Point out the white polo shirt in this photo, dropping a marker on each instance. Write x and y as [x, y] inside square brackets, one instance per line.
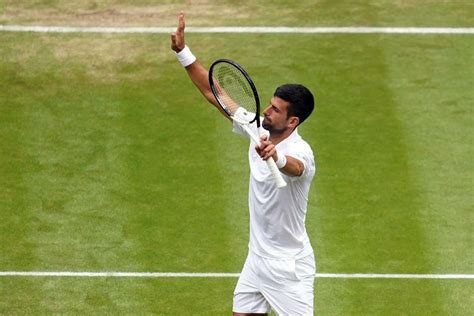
[277, 216]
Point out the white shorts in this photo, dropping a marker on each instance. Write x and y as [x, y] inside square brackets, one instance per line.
[286, 286]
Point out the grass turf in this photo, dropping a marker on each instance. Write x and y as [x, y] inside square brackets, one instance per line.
[243, 12]
[211, 296]
[112, 161]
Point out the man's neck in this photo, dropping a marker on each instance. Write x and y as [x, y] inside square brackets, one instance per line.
[277, 138]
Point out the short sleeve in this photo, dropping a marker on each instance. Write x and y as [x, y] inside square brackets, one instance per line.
[237, 128]
[303, 153]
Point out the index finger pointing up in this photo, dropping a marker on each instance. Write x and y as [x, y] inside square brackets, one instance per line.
[181, 23]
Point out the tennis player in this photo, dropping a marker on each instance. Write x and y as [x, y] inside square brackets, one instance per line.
[280, 267]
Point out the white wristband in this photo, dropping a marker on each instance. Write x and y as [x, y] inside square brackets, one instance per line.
[281, 162]
[185, 57]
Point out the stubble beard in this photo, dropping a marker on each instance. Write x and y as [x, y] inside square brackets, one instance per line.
[272, 129]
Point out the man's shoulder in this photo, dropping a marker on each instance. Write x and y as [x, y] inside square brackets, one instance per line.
[296, 142]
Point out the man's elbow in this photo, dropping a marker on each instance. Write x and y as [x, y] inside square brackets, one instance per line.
[299, 171]
[298, 168]
[295, 171]
[210, 97]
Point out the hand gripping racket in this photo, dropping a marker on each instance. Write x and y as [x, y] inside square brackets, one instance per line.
[235, 92]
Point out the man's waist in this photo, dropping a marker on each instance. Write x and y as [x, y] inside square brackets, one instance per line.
[281, 253]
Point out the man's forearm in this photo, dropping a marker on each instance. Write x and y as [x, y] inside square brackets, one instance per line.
[197, 73]
[199, 76]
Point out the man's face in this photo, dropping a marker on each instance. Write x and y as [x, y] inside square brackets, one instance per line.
[275, 116]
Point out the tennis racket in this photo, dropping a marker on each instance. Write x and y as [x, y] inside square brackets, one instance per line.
[235, 92]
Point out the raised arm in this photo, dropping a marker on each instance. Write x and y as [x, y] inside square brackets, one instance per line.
[196, 71]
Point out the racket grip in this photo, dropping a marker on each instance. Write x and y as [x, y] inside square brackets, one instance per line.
[276, 173]
[270, 162]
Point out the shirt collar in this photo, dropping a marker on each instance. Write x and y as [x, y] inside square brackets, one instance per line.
[293, 136]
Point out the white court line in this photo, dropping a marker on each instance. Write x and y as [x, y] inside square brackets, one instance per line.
[243, 29]
[225, 275]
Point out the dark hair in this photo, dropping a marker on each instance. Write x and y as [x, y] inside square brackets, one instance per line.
[300, 98]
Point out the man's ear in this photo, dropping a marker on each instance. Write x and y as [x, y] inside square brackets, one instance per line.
[293, 121]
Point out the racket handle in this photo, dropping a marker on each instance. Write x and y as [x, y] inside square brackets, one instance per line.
[270, 162]
[276, 173]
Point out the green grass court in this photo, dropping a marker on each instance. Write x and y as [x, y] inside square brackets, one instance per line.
[110, 159]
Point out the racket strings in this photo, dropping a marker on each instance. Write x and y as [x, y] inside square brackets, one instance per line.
[233, 89]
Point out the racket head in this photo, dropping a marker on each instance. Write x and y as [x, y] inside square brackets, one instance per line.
[234, 89]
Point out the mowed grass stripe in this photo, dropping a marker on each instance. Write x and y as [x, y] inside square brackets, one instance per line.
[65, 189]
[13, 188]
[435, 99]
[16, 247]
[434, 103]
[369, 205]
